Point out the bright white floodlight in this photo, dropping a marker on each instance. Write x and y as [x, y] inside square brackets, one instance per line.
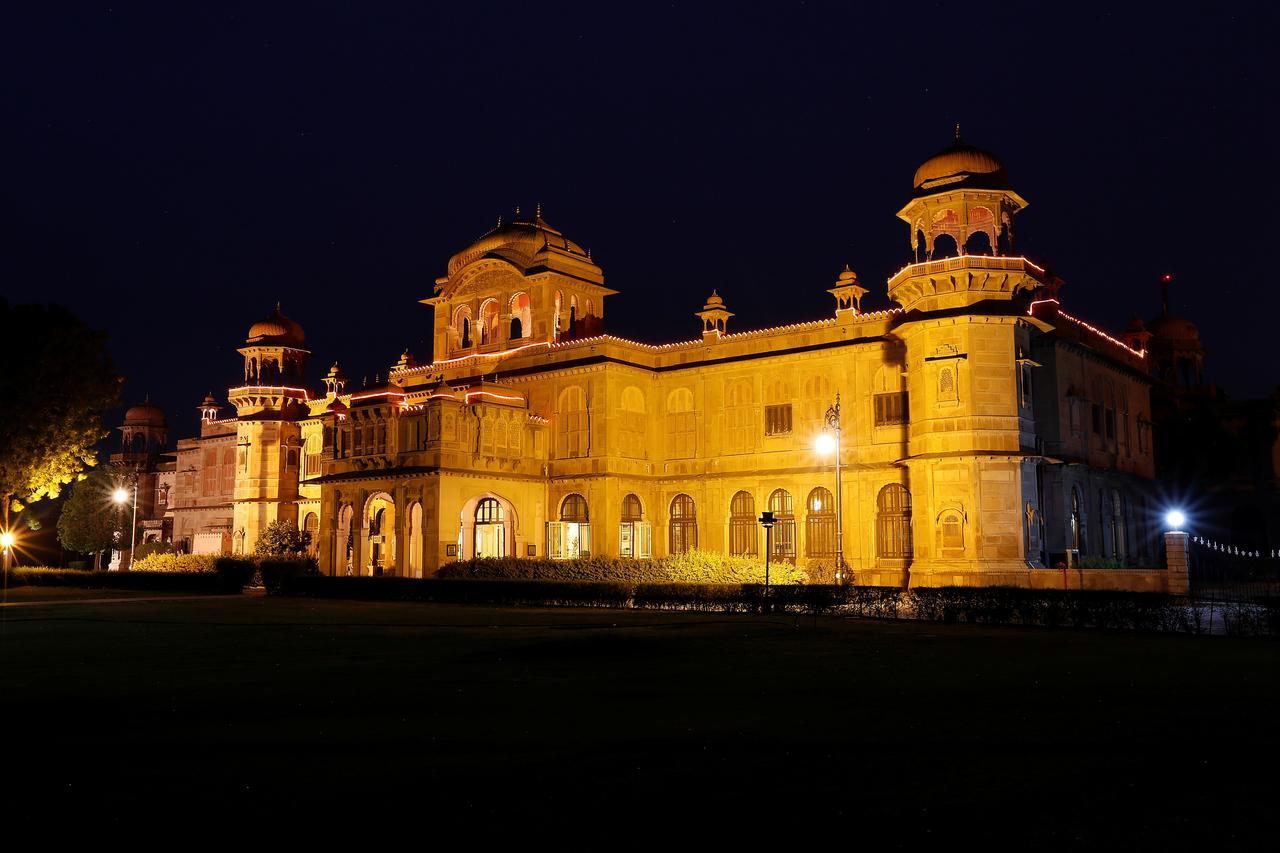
[120, 496]
[825, 443]
[1175, 518]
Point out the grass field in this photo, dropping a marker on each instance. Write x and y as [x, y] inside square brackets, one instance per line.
[618, 726]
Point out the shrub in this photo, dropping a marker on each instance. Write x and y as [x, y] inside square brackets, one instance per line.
[147, 549]
[234, 573]
[276, 571]
[171, 562]
[282, 538]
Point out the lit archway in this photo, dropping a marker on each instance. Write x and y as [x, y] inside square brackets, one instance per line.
[379, 531]
[487, 527]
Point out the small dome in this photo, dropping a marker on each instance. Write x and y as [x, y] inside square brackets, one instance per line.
[848, 276]
[713, 301]
[276, 329]
[961, 163]
[1173, 329]
[144, 414]
[522, 240]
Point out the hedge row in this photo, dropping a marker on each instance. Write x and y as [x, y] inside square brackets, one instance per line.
[210, 583]
[971, 605]
[226, 575]
[697, 567]
[169, 562]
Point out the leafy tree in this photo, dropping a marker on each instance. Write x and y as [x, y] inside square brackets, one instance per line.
[282, 538]
[90, 520]
[56, 383]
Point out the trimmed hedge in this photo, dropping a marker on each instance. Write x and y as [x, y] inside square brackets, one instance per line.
[969, 605]
[209, 583]
[696, 567]
[276, 571]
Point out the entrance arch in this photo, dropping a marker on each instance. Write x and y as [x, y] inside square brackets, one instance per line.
[379, 530]
[343, 542]
[487, 527]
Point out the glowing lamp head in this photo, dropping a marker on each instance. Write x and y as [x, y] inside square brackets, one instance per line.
[1175, 518]
[6, 540]
[825, 444]
[120, 495]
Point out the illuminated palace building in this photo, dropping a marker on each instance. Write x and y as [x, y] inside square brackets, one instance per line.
[985, 431]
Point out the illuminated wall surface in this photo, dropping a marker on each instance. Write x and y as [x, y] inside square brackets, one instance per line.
[985, 431]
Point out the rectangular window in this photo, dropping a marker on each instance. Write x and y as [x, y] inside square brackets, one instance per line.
[635, 540]
[1097, 419]
[1111, 424]
[891, 409]
[777, 419]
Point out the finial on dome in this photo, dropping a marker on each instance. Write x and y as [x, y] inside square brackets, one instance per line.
[499, 220]
[957, 131]
[538, 211]
[517, 210]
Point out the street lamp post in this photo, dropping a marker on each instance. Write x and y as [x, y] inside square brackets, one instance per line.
[120, 496]
[767, 521]
[833, 424]
[6, 543]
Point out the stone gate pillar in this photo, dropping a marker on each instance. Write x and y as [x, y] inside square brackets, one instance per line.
[1177, 562]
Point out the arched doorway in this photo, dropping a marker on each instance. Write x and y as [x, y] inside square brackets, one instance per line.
[570, 537]
[491, 529]
[380, 535]
[415, 540]
[635, 535]
[343, 542]
[784, 528]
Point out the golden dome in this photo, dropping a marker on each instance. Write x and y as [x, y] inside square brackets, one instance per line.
[960, 162]
[144, 414]
[523, 241]
[276, 330]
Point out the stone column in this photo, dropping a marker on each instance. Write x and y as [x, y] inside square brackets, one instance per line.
[402, 532]
[1177, 562]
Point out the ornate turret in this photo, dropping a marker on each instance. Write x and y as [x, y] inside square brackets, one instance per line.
[715, 317]
[334, 382]
[960, 220]
[143, 433]
[209, 408]
[848, 293]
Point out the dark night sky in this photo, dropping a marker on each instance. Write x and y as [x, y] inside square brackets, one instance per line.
[173, 171]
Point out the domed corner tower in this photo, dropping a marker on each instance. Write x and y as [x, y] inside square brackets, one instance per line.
[269, 408]
[142, 435]
[960, 229]
[971, 442]
[523, 282]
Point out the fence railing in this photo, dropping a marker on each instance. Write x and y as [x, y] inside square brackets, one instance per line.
[1221, 572]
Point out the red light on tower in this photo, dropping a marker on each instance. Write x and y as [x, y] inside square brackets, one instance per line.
[1166, 278]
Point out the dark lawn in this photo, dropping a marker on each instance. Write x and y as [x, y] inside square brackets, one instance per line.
[323, 713]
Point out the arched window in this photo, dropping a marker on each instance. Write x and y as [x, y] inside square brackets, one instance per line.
[634, 423]
[681, 425]
[893, 523]
[635, 535]
[683, 533]
[743, 536]
[311, 527]
[415, 540]
[951, 527]
[489, 511]
[784, 528]
[574, 508]
[557, 323]
[572, 428]
[820, 524]
[489, 312]
[1118, 525]
[462, 324]
[521, 319]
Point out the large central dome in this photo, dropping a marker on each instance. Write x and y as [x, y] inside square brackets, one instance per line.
[522, 241]
[961, 164]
